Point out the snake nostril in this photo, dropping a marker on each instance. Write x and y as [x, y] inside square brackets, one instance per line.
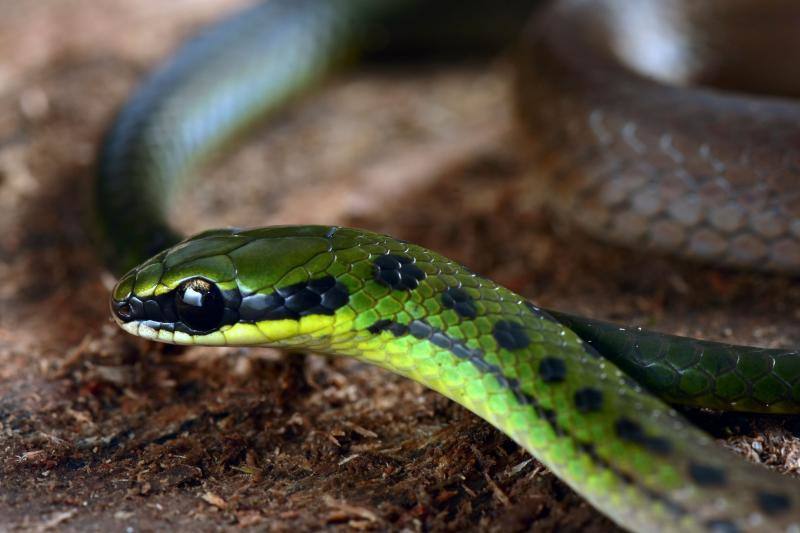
[123, 310]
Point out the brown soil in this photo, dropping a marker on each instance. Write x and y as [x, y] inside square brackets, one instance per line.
[101, 431]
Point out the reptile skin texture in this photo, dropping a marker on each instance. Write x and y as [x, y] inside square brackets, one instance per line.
[686, 169]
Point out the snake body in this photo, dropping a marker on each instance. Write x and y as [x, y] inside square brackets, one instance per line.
[561, 386]
[642, 150]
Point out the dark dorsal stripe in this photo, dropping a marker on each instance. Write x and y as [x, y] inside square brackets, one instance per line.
[321, 296]
[422, 330]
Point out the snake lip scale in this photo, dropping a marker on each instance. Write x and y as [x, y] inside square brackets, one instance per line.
[634, 115]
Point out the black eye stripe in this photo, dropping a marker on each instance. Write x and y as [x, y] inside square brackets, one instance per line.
[152, 310]
[322, 296]
[161, 312]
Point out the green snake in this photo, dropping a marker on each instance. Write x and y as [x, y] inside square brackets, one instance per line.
[638, 158]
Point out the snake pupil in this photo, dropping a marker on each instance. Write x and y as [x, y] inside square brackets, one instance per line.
[199, 304]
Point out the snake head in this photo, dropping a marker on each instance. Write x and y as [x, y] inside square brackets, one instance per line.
[285, 285]
[182, 293]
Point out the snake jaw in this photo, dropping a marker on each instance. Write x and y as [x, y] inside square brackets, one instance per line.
[130, 327]
[146, 331]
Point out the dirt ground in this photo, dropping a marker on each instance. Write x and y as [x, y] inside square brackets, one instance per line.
[101, 431]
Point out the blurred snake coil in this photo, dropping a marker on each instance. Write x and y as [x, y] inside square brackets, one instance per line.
[658, 123]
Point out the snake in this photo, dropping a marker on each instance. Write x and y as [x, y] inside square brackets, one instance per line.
[659, 124]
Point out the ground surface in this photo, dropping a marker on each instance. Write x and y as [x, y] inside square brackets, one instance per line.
[100, 431]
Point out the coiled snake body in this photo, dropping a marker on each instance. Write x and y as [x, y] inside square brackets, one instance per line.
[692, 170]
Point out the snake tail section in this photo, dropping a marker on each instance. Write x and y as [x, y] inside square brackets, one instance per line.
[353, 293]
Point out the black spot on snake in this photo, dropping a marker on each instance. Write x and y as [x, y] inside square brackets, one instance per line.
[588, 400]
[772, 503]
[379, 326]
[459, 301]
[510, 335]
[394, 328]
[398, 272]
[707, 476]
[721, 526]
[552, 370]
[630, 431]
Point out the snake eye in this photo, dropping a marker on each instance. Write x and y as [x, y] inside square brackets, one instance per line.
[199, 304]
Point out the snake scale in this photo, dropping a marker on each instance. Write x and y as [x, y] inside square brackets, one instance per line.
[621, 107]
